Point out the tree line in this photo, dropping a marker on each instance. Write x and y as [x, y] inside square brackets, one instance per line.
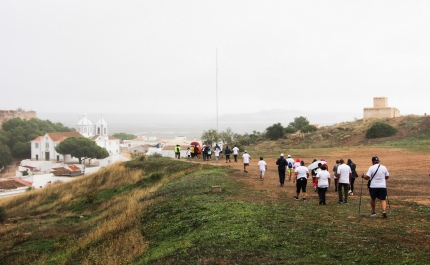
[274, 132]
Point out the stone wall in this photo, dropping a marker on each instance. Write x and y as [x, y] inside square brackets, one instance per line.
[380, 113]
[6, 115]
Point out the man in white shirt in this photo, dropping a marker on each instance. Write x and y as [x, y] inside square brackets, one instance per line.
[290, 169]
[235, 153]
[344, 175]
[262, 167]
[302, 174]
[378, 185]
[245, 159]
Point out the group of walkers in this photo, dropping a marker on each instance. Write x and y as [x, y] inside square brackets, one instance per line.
[206, 151]
[344, 175]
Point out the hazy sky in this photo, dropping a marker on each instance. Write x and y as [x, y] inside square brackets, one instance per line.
[160, 56]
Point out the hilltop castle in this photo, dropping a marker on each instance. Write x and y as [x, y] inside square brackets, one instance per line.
[6, 115]
[380, 110]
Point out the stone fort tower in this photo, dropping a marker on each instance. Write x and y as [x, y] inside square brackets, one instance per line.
[380, 110]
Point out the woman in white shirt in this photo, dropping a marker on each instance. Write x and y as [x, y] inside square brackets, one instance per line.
[323, 178]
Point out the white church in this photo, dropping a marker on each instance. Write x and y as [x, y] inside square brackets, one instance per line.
[43, 147]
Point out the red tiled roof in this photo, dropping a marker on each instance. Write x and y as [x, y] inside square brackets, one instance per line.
[112, 137]
[74, 168]
[9, 184]
[94, 137]
[60, 136]
[38, 139]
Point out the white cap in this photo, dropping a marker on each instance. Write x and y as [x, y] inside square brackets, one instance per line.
[289, 156]
[282, 155]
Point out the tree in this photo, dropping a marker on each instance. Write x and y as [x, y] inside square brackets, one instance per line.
[309, 128]
[299, 122]
[275, 132]
[124, 136]
[81, 147]
[379, 130]
[210, 137]
[21, 150]
[290, 129]
[227, 136]
[5, 155]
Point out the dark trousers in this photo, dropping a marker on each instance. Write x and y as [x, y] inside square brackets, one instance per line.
[321, 194]
[178, 155]
[281, 177]
[227, 157]
[235, 158]
[352, 184]
[345, 187]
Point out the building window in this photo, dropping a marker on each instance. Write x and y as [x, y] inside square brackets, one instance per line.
[36, 145]
[104, 131]
[47, 145]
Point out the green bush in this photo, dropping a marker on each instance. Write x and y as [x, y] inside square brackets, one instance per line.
[3, 215]
[308, 128]
[379, 130]
[290, 129]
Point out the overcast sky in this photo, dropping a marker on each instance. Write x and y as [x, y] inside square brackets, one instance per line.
[160, 56]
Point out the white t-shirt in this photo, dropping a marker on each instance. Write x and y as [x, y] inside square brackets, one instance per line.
[290, 160]
[235, 150]
[296, 164]
[378, 180]
[262, 164]
[323, 176]
[343, 172]
[246, 158]
[302, 172]
[217, 151]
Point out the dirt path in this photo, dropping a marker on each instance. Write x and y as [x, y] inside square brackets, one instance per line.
[409, 174]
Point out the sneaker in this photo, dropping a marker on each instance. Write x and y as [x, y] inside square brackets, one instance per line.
[340, 202]
[296, 198]
[351, 194]
[304, 199]
[373, 214]
[384, 214]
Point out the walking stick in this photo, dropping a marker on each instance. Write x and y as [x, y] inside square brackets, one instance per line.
[388, 201]
[361, 192]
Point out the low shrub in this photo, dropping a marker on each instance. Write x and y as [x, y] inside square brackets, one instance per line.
[379, 130]
[3, 214]
[308, 128]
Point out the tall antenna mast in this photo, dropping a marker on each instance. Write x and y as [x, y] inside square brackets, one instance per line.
[216, 86]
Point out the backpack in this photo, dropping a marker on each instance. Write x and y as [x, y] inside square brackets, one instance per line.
[290, 165]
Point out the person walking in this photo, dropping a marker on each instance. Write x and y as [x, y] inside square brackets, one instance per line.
[262, 167]
[344, 176]
[235, 153]
[177, 151]
[314, 176]
[188, 153]
[378, 175]
[227, 154]
[282, 166]
[335, 175]
[323, 182]
[217, 152]
[245, 159]
[353, 177]
[302, 174]
[290, 169]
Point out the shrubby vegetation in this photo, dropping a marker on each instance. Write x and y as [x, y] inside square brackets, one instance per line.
[124, 136]
[5, 155]
[18, 133]
[3, 214]
[379, 130]
[308, 128]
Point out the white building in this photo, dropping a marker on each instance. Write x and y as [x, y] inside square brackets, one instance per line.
[43, 147]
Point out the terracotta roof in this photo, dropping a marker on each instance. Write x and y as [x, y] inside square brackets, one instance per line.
[9, 184]
[95, 137]
[74, 168]
[112, 137]
[60, 136]
[38, 139]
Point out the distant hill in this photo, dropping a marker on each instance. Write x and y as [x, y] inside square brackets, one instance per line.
[411, 130]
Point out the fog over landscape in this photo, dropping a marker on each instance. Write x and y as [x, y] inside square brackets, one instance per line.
[190, 61]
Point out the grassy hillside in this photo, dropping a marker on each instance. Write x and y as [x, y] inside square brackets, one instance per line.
[161, 211]
[413, 134]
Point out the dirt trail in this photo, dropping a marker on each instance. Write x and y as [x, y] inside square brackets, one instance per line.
[409, 174]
